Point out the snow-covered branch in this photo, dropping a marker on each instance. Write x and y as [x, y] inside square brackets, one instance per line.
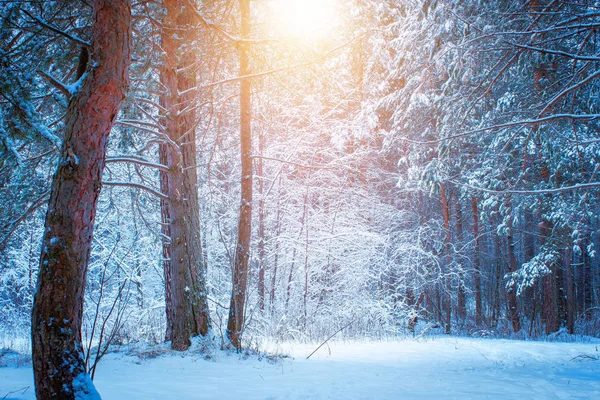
[138, 161]
[294, 163]
[57, 30]
[133, 185]
[572, 117]
[62, 87]
[40, 201]
[557, 52]
[532, 192]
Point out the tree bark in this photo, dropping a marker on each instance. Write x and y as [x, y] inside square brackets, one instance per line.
[462, 297]
[412, 322]
[235, 323]
[58, 363]
[294, 252]
[586, 280]
[261, 224]
[185, 270]
[305, 296]
[528, 237]
[276, 260]
[447, 302]
[477, 263]
[166, 242]
[511, 292]
[549, 287]
[500, 268]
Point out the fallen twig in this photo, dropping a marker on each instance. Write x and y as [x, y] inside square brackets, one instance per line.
[24, 389]
[336, 332]
[582, 357]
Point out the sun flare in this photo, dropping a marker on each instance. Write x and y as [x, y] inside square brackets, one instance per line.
[303, 19]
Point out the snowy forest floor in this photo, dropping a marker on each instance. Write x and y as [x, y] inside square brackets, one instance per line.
[429, 368]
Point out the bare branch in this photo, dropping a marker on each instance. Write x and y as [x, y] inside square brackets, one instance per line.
[138, 161]
[209, 24]
[142, 128]
[152, 103]
[282, 69]
[538, 192]
[293, 163]
[570, 89]
[138, 186]
[57, 30]
[40, 201]
[572, 117]
[57, 84]
[556, 52]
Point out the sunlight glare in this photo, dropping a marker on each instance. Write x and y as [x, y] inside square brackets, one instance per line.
[303, 19]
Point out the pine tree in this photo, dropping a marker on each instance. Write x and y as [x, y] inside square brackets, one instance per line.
[58, 361]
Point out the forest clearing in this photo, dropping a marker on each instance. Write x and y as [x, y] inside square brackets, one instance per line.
[435, 368]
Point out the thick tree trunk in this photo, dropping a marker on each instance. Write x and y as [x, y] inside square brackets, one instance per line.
[477, 263]
[166, 242]
[58, 363]
[235, 323]
[185, 271]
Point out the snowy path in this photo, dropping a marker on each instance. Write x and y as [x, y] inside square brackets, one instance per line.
[440, 368]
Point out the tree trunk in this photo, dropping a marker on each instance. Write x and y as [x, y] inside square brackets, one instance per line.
[412, 322]
[447, 303]
[549, 288]
[261, 224]
[511, 292]
[58, 363]
[276, 260]
[185, 271]
[477, 263]
[462, 297]
[529, 294]
[235, 323]
[586, 278]
[166, 241]
[305, 297]
[561, 295]
[500, 267]
[294, 252]
[534, 307]
[550, 307]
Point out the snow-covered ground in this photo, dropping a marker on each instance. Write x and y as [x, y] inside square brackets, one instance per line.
[433, 368]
